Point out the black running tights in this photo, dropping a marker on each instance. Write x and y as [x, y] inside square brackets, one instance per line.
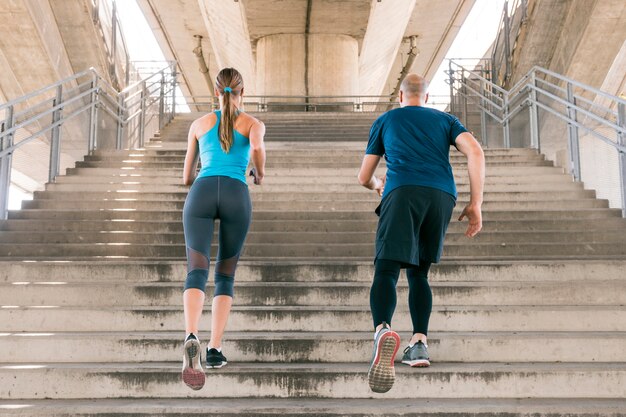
[383, 293]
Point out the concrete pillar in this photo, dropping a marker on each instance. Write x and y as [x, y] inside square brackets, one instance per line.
[331, 68]
[333, 65]
[280, 65]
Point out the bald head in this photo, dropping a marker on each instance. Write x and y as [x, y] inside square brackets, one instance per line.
[414, 85]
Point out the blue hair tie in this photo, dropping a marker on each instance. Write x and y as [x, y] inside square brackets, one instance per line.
[228, 90]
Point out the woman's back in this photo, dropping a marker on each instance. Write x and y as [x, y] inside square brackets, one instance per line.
[214, 160]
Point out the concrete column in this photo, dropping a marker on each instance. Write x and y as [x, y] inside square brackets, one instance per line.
[333, 65]
[280, 65]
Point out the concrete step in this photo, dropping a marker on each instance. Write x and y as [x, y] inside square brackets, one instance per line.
[326, 347]
[367, 201]
[535, 182]
[297, 148]
[323, 270]
[254, 380]
[298, 157]
[321, 237]
[298, 407]
[253, 251]
[303, 194]
[365, 212]
[313, 318]
[335, 226]
[298, 171]
[503, 293]
[176, 186]
[302, 164]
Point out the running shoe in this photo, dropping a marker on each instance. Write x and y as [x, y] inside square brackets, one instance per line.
[193, 374]
[416, 355]
[382, 374]
[215, 359]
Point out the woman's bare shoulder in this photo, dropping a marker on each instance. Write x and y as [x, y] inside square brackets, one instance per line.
[203, 124]
[249, 122]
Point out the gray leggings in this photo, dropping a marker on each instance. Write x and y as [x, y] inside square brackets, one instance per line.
[210, 198]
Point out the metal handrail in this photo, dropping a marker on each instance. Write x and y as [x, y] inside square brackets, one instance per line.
[542, 84]
[359, 103]
[132, 110]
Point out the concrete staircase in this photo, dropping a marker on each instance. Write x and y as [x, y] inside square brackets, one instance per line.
[529, 317]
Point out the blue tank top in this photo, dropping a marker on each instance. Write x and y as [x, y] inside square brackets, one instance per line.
[217, 162]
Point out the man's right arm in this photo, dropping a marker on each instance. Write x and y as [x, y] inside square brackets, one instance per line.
[469, 146]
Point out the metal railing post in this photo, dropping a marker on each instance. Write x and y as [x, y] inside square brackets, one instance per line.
[483, 115]
[174, 74]
[572, 134]
[464, 97]
[55, 137]
[506, 128]
[120, 121]
[534, 114]
[162, 100]
[142, 115]
[451, 81]
[93, 114]
[5, 164]
[621, 140]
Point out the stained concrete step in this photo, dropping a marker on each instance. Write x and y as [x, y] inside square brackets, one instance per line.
[327, 347]
[320, 164]
[453, 250]
[335, 226]
[253, 380]
[298, 171]
[315, 318]
[293, 157]
[414, 407]
[323, 270]
[297, 148]
[366, 212]
[368, 201]
[554, 179]
[294, 187]
[321, 237]
[305, 195]
[502, 293]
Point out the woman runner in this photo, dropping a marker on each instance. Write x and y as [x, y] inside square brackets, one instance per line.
[224, 141]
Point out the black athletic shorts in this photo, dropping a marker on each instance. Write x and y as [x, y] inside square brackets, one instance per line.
[413, 223]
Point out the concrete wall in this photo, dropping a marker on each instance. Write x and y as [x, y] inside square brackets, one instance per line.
[584, 40]
[41, 42]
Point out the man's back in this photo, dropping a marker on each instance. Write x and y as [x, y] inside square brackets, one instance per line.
[416, 142]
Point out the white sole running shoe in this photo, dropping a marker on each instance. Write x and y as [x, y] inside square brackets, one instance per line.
[193, 374]
[382, 373]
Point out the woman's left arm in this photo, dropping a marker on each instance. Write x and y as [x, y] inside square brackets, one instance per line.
[191, 158]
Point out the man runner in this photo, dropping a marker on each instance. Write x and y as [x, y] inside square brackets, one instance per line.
[418, 196]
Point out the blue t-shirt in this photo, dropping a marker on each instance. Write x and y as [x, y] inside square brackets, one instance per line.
[217, 162]
[416, 144]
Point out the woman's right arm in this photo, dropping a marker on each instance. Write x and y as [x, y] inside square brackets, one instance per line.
[191, 158]
[257, 149]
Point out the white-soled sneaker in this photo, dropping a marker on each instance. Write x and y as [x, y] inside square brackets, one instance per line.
[382, 373]
[193, 374]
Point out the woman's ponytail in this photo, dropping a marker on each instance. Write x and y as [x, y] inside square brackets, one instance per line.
[230, 85]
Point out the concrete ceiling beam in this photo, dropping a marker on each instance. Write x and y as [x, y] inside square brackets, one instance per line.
[226, 24]
[378, 53]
